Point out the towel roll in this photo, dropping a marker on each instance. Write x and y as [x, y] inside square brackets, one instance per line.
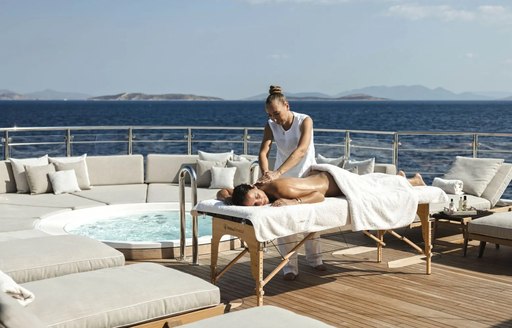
[449, 186]
[11, 288]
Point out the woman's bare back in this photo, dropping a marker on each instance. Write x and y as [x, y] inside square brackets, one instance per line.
[290, 188]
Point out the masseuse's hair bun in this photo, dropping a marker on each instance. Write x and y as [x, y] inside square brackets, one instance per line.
[275, 89]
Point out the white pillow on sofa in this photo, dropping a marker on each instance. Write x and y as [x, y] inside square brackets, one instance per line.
[77, 163]
[204, 171]
[243, 171]
[222, 177]
[363, 167]
[475, 173]
[18, 169]
[64, 182]
[216, 157]
[338, 161]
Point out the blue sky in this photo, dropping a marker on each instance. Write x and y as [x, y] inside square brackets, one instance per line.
[236, 49]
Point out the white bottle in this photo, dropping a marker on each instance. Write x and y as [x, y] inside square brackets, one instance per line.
[451, 207]
[465, 204]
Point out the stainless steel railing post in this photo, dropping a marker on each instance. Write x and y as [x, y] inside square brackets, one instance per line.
[130, 141]
[187, 170]
[475, 145]
[6, 145]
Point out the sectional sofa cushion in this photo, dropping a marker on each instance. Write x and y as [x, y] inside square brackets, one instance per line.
[475, 173]
[7, 182]
[38, 178]
[121, 296]
[64, 182]
[115, 170]
[51, 201]
[259, 317]
[50, 256]
[22, 234]
[18, 169]
[169, 192]
[116, 194]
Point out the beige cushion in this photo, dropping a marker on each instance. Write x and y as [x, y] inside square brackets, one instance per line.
[498, 225]
[475, 173]
[498, 184]
[216, 157]
[7, 182]
[204, 172]
[163, 168]
[18, 168]
[115, 170]
[243, 171]
[80, 168]
[38, 178]
[116, 194]
[121, 296]
[363, 167]
[259, 317]
[222, 177]
[64, 182]
[338, 161]
[46, 257]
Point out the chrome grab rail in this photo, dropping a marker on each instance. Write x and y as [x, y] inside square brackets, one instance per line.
[188, 170]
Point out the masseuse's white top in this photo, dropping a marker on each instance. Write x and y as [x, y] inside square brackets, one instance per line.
[287, 142]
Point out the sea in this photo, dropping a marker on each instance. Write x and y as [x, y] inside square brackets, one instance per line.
[392, 116]
[468, 116]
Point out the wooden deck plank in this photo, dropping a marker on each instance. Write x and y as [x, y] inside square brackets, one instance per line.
[356, 291]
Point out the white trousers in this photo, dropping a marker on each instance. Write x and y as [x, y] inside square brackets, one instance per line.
[312, 247]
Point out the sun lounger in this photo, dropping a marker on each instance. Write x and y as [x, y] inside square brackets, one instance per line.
[137, 294]
[258, 317]
[257, 225]
[41, 257]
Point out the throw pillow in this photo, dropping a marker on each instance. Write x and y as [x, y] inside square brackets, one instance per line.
[363, 167]
[80, 168]
[204, 172]
[72, 159]
[475, 173]
[18, 169]
[222, 177]
[243, 171]
[64, 182]
[338, 161]
[38, 180]
[216, 157]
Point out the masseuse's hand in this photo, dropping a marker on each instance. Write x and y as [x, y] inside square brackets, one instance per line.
[268, 176]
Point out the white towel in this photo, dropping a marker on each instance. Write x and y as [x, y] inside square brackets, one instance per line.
[11, 288]
[449, 186]
[376, 201]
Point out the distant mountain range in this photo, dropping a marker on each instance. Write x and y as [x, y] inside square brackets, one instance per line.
[372, 93]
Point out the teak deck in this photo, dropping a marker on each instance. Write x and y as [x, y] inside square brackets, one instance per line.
[356, 291]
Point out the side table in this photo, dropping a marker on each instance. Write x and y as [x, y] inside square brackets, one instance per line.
[462, 219]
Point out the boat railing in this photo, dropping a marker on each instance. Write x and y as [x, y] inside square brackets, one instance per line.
[428, 152]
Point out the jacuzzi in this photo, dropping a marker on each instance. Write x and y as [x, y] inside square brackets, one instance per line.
[122, 227]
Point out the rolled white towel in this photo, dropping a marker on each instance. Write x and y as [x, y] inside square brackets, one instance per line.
[449, 186]
[11, 288]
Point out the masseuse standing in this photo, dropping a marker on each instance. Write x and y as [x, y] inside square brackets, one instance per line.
[293, 135]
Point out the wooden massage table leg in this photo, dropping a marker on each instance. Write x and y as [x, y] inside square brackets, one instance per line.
[423, 213]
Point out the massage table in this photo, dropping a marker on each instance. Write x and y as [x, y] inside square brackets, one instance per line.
[260, 224]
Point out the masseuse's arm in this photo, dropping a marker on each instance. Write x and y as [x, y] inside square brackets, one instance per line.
[311, 198]
[302, 148]
[266, 145]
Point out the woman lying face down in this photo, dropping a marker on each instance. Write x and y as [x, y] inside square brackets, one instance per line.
[291, 191]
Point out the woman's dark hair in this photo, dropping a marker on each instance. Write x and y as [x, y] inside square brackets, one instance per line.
[239, 193]
[275, 94]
